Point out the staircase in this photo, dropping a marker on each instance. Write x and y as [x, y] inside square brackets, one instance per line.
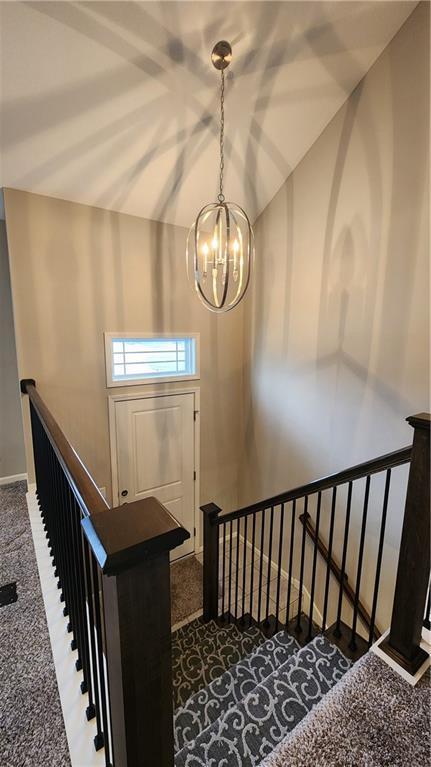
[291, 596]
[237, 694]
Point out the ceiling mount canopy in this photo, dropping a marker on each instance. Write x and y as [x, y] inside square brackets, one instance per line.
[220, 244]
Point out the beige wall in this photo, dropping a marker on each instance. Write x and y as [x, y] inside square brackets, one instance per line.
[336, 328]
[12, 456]
[78, 271]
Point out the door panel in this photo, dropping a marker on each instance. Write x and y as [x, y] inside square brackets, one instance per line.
[155, 454]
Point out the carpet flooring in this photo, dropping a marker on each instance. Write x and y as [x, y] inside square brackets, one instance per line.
[186, 589]
[372, 718]
[31, 722]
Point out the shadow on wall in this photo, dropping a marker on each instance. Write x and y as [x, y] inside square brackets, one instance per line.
[337, 392]
[113, 27]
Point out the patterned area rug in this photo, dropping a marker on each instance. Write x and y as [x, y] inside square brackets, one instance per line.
[31, 722]
[186, 589]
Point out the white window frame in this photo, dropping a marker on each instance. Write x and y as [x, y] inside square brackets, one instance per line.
[111, 336]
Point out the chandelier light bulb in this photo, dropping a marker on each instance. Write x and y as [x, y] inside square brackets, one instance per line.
[227, 229]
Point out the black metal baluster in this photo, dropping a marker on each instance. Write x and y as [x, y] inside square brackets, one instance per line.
[237, 568]
[253, 544]
[67, 560]
[280, 554]
[268, 584]
[93, 709]
[51, 502]
[79, 633]
[42, 488]
[313, 575]
[229, 596]
[328, 564]
[352, 643]
[85, 652]
[223, 572]
[337, 631]
[244, 569]
[379, 557]
[298, 628]
[36, 449]
[51, 537]
[262, 541]
[291, 552]
[69, 564]
[55, 540]
[97, 670]
[103, 739]
[86, 595]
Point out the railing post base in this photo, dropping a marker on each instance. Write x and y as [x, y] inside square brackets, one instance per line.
[411, 665]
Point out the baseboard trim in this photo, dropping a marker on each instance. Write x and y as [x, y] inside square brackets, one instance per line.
[410, 678]
[12, 478]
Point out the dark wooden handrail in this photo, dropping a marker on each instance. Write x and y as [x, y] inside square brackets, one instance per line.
[86, 491]
[336, 571]
[383, 462]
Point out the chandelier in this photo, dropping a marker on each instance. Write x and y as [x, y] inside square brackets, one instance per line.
[220, 243]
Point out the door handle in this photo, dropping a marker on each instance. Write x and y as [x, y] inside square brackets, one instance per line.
[124, 493]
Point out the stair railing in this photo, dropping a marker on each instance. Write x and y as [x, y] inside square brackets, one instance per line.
[256, 561]
[113, 575]
[341, 576]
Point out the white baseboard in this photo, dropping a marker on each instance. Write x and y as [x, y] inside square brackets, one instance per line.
[80, 733]
[12, 478]
[412, 680]
[306, 598]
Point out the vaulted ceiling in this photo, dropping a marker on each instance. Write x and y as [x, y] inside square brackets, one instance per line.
[115, 104]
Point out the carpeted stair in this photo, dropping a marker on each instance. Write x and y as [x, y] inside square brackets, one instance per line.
[206, 706]
[201, 652]
[246, 708]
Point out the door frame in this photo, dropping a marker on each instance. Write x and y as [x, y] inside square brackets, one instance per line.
[112, 400]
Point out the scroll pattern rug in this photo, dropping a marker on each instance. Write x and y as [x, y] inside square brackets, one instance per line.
[247, 732]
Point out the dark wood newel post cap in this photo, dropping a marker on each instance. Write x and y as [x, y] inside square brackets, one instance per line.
[127, 535]
[26, 382]
[420, 421]
[211, 510]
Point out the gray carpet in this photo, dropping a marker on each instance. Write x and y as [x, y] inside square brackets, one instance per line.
[372, 718]
[31, 723]
[186, 588]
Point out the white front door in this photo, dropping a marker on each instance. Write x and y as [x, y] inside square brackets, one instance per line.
[155, 456]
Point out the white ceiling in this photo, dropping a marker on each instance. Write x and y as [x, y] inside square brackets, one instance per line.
[115, 104]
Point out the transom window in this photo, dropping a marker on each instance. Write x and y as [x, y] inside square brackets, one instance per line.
[140, 358]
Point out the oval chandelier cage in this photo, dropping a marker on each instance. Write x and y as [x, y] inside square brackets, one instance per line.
[220, 243]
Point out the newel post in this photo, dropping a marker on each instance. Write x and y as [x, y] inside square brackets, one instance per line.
[211, 535]
[131, 544]
[403, 642]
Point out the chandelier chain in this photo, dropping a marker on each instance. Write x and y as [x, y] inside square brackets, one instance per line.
[221, 195]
